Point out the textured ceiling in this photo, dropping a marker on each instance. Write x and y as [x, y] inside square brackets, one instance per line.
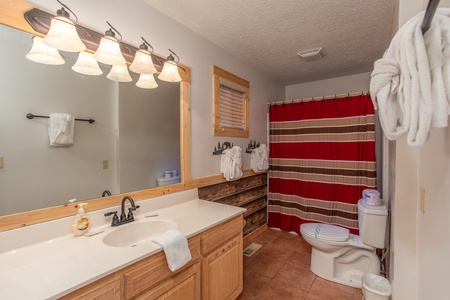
[268, 33]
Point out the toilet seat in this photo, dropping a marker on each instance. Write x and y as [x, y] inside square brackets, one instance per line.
[325, 232]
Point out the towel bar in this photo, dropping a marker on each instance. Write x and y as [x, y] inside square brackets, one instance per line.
[31, 116]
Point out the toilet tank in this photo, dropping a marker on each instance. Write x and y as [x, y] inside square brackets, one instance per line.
[372, 221]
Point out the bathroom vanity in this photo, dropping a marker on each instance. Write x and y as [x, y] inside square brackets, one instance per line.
[67, 267]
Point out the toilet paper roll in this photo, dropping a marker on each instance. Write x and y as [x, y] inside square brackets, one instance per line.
[372, 197]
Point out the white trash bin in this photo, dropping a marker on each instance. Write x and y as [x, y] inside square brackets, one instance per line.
[375, 287]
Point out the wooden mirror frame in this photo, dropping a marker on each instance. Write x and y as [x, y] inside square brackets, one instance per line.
[12, 15]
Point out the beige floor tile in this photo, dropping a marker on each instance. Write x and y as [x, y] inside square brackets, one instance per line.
[245, 296]
[300, 259]
[268, 236]
[288, 242]
[276, 251]
[331, 291]
[304, 247]
[279, 290]
[264, 265]
[254, 282]
[295, 276]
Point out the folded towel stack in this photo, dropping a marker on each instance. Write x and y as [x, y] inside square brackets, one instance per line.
[410, 85]
[175, 247]
[61, 129]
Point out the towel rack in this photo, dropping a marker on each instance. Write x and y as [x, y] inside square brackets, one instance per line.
[429, 14]
[31, 116]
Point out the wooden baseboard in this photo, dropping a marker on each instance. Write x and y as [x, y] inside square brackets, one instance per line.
[253, 234]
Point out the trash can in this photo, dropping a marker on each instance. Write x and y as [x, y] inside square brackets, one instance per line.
[375, 287]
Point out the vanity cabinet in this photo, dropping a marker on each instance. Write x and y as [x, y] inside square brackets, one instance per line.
[215, 272]
[222, 261]
[151, 278]
[107, 288]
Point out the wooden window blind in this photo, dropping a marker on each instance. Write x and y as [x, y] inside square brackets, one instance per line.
[230, 104]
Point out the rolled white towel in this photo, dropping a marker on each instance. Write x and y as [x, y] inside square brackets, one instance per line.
[231, 163]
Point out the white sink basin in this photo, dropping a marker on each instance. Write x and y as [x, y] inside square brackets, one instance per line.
[135, 234]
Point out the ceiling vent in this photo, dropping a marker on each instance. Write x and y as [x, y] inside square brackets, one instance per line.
[310, 55]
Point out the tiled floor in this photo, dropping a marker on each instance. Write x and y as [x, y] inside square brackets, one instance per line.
[280, 269]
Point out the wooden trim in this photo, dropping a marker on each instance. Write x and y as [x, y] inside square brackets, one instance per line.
[11, 14]
[217, 130]
[225, 74]
[254, 234]
[57, 212]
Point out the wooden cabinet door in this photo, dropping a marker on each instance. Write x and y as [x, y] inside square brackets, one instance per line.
[222, 270]
[185, 285]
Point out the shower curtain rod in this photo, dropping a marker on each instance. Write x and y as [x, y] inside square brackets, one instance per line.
[321, 98]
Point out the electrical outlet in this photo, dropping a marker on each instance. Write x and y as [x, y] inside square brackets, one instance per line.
[422, 199]
[105, 164]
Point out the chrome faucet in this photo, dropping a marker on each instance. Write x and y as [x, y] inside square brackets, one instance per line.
[124, 218]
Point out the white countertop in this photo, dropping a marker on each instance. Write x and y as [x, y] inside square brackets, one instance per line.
[52, 268]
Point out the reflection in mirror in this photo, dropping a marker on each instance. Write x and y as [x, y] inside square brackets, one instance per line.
[135, 137]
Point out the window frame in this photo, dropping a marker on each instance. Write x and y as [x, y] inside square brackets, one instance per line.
[219, 73]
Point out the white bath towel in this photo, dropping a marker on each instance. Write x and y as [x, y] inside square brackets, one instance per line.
[61, 129]
[260, 159]
[409, 85]
[231, 163]
[175, 246]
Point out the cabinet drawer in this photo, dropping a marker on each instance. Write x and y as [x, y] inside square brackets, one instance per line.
[217, 236]
[185, 285]
[107, 288]
[153, 270]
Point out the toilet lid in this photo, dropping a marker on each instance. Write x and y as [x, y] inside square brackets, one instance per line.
[325, 231]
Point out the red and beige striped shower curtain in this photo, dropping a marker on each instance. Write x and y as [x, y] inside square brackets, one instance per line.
[322, 156]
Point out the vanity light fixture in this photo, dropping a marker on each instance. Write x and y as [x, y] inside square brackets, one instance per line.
[143, 62]
[63, 34]
[170, 69]
[86, 64]
[108, 52]
[44, 54]
[119, 73]
[146, 81]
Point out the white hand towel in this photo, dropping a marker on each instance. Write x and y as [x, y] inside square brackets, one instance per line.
[260, 159]
[175, 247]
[231, 163]
[61, 129]
[411, 81]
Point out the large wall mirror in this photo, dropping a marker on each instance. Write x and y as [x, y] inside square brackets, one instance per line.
[136, 137]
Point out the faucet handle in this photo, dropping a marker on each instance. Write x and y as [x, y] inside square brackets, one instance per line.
[115, 218]
[130, 214]
[135, 207]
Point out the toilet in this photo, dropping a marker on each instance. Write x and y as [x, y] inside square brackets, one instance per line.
[342, 257]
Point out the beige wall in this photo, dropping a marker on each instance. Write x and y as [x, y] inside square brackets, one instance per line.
[340, 85]
[419, 247]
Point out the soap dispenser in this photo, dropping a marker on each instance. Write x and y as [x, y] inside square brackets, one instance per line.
[81, 222]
